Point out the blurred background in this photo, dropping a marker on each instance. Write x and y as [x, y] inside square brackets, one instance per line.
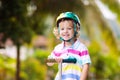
[26, 37]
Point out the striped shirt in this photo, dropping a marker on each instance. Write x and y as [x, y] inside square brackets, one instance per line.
[71, 71]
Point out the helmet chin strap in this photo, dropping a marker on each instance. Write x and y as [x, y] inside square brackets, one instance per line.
[66, 40]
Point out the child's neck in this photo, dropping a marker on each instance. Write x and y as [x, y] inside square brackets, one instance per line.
[70, 43]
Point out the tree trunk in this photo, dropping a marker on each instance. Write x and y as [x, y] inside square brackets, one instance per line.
[18, 63]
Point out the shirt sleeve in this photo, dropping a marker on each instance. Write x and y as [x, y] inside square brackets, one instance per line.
[84, 56]
[51, 56]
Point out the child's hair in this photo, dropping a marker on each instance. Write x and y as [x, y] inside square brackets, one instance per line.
[56, 30]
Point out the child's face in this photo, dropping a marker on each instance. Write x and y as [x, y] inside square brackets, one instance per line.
[66, 29]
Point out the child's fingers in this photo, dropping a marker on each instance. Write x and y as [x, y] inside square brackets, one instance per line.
[58, 60]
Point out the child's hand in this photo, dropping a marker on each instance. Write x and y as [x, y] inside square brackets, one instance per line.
[58, 60]
[50, 64]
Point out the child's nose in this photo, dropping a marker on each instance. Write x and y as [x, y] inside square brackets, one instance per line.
[65, 30]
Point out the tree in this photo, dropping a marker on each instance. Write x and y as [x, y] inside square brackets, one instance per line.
[15, 24]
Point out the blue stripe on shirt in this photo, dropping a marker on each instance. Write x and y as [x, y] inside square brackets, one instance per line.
[73, 76]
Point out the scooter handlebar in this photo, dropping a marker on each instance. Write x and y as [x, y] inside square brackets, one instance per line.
[69, 60]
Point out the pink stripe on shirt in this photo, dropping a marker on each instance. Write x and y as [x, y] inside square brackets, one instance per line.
[85, 52]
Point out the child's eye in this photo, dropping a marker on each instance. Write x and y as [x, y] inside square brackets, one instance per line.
[69, 28]
[62, 28]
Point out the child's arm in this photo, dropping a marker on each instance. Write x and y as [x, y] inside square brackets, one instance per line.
[84, 73]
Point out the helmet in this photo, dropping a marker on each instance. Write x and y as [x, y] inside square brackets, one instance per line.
[71, 16]
[68, 15]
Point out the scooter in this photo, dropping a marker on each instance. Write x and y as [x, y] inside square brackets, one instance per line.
[69, 60]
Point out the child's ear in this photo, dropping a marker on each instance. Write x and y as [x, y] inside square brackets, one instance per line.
[78, 27]
[56, 33]
[78, 30]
